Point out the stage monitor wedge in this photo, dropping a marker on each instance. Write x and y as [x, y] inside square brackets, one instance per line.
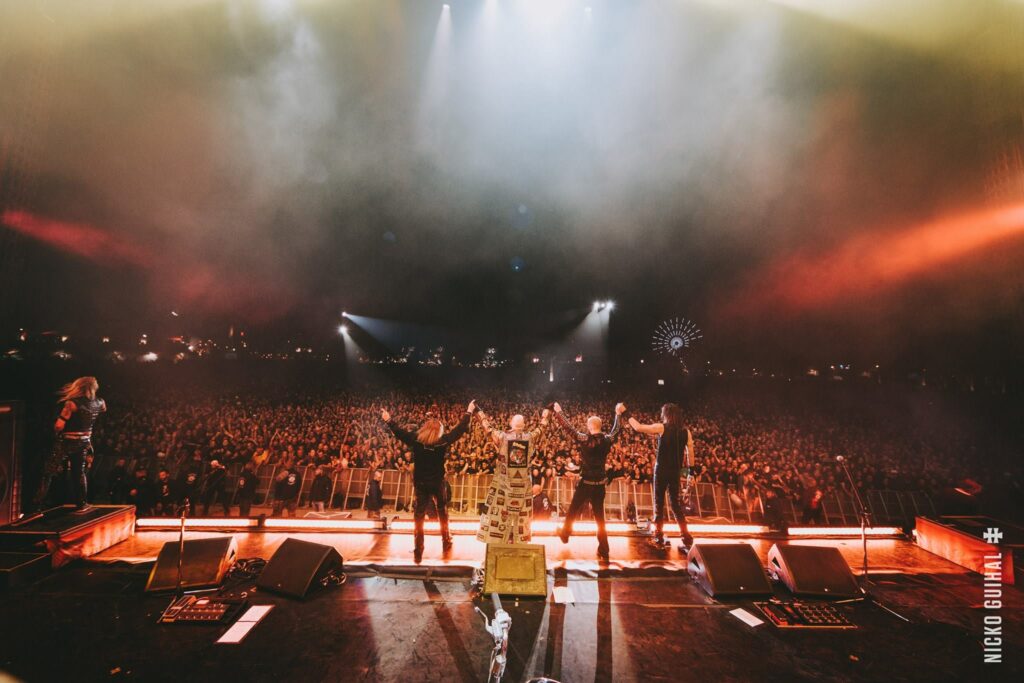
[518, 569]
[297, 567]
[724, 569]
[206, 561]
[813, 570]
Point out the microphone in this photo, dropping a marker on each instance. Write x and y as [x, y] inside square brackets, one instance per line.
[501, 623]
[498, 628]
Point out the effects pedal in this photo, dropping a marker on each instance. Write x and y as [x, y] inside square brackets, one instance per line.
[190, 609]
[804, 615]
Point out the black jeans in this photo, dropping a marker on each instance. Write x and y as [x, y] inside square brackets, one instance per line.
[244, 506]
[217, 497]
[425, 493]
[69, 455]
[813, 515]
[593, 494]
[78, 487]
[282, 506]
[668, 482]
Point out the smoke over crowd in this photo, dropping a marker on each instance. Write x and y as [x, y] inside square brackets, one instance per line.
[271, 163]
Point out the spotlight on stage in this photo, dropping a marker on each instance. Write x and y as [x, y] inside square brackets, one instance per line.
[610, 305]
[344, 314]
[342, 329]
[596, 307]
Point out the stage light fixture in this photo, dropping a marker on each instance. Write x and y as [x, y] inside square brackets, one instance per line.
[610, 305]
[596, 307]
[342, 329]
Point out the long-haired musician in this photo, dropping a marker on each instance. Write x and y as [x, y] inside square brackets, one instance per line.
[675, 451]
[73, 431]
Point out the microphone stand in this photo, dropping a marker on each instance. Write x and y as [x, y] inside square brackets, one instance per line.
[862, 511]
[865, 522]
[179, 593]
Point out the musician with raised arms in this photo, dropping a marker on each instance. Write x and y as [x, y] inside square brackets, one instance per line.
[429, 446]
[594, 447]
[675, 452]
[509, 507]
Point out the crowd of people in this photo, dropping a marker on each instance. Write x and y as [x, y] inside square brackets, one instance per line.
[743, 442]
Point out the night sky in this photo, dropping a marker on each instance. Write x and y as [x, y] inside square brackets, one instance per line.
[801, 178]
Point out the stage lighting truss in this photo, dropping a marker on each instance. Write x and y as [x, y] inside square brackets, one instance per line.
[675, 335]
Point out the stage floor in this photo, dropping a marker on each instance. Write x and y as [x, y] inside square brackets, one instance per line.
[93, 622]
[885, 554]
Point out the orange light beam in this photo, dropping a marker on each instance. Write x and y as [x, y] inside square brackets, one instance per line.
[869, 263]
[84, 240]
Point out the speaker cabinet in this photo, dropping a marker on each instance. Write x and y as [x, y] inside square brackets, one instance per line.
[21, 569]
[11, 434]
[298, 566]
[723, 569]
[518, 569]
[813, 570]
[203, 565]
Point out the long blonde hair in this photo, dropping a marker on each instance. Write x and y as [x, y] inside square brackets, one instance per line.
[430, 433]
[83, 387]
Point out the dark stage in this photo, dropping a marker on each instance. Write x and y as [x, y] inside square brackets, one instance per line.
[638, 619]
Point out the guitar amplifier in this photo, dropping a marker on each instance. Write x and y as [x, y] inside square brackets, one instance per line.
[11, 436]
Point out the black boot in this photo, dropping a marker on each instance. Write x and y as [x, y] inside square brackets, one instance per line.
[656, 542]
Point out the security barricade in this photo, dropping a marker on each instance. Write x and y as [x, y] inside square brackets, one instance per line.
[624, 500]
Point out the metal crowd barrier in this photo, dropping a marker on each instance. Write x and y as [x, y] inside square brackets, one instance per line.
[624, 499]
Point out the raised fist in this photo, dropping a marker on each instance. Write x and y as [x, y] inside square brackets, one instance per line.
[471, 407]
[620, 408]
[558, 407]
[385, 415]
